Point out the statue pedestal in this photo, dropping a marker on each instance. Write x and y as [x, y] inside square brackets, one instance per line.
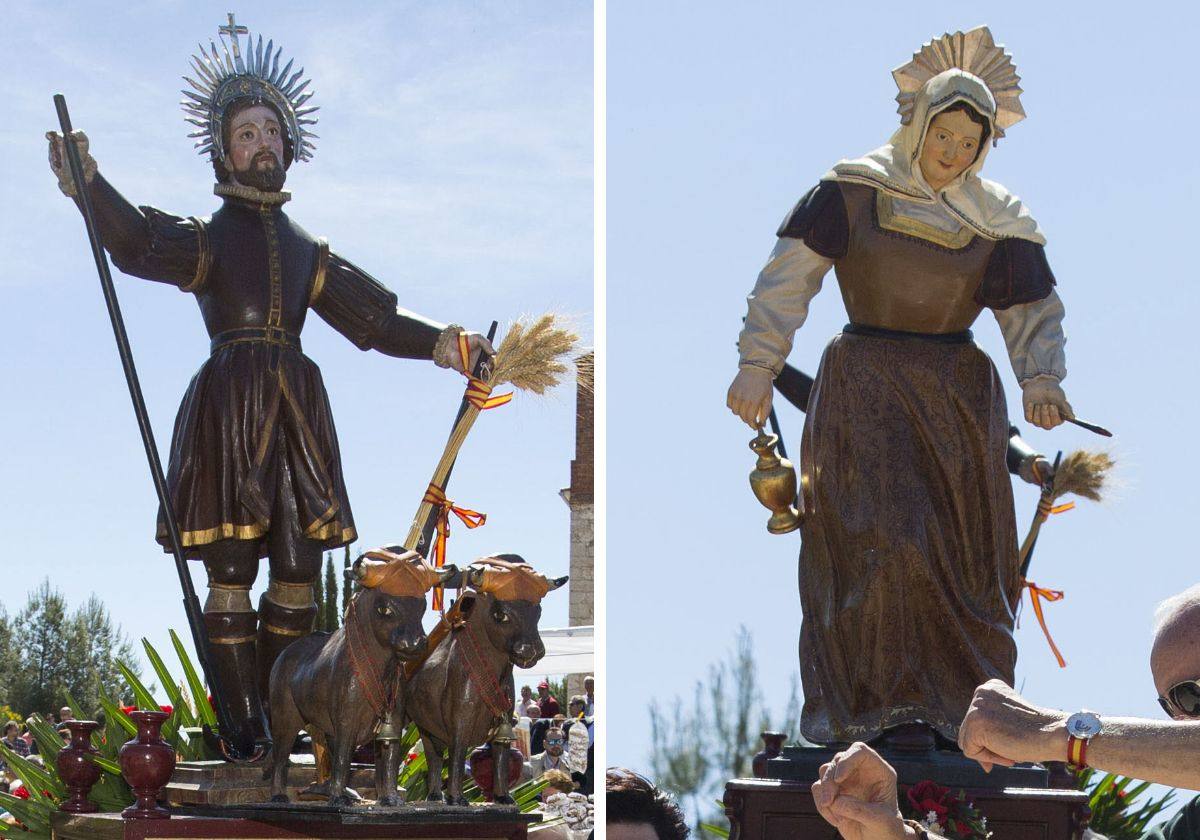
[222, 783]
[305, 820]
[1017, 801]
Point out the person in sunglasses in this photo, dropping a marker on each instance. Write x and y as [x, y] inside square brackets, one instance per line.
[552, 758]
[857, 790]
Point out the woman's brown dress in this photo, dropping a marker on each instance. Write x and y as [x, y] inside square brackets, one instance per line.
[909, 558]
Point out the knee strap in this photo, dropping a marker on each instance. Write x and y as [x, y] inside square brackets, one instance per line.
[223, 598]
[286, 621]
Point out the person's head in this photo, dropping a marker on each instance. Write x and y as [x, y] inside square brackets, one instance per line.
[555, 741]
[1175, 654]
[589, 685]
[952, 143]
[557, 781]
[533, 710]
[543, 689]
[637, 810]
[257, 148]
[65, 714]
[12, 729]
[526, 693]
[576, 707]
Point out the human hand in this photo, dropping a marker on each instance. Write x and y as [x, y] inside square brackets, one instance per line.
[58, 160]
[856, 794]
[446, 351]
[476, 344]
[1002, 727]
[1036, 470]
[1045, 403]
[749, 396]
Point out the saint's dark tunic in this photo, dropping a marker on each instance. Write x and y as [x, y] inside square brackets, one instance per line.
[254, 434]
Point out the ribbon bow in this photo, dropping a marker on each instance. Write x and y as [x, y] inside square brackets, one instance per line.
[479, 393]
[436, 496]
[1036, 594]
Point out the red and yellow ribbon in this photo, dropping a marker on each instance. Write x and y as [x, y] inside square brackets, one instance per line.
[1047, 508]
[1036, 594]
[479, 393]
[436, 496]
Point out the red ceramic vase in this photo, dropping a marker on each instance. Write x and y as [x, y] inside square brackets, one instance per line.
[147, 762]
[77, 769]
[483, 769]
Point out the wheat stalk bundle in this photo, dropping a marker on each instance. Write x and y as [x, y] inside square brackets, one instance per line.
[532, 357]
[1082, 473]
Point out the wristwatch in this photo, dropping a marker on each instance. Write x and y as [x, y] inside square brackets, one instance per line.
[1082, 727]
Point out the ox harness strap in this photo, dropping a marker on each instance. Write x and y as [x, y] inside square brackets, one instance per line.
[494, 696]
[381, 698]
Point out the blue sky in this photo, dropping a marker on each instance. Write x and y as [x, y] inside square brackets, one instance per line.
[454, 163]
[719, 119]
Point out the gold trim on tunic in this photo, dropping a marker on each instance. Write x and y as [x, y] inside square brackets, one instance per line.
[203, 258]
[238, 640]
[889, 219]
[280, 631]
[318, 284]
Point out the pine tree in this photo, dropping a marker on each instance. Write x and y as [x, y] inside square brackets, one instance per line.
[346, 583]
[331, 595]
[319, 597]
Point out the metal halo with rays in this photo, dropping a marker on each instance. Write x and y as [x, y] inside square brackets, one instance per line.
[975, 52]
[225, 74]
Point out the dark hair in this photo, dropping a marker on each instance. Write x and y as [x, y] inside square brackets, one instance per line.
[975, 117]
[12, 724]
[632, 798]
[232, 110]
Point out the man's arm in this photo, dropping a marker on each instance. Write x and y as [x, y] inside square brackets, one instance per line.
[1002, 727]
[142, 241]
[365, 311]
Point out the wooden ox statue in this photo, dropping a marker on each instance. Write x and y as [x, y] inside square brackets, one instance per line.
[465, 686]
[340, 686]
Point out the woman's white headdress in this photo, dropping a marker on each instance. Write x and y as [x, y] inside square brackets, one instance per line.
[226, 74]
[975, 52]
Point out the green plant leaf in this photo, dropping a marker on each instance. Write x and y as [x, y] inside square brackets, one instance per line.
[113, 715]
[717, 830]
[204, 709]
[36, 779]
[33, 815]
[186, 716]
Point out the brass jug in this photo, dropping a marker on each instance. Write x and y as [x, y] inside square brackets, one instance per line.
[774, 484]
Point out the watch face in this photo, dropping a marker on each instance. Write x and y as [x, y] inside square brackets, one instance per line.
[1083, 725]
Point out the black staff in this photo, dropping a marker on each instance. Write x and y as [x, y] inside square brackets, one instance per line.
[191, 604]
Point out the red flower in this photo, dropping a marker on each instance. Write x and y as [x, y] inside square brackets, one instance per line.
[128, 709]
[927, 796]
[167, 709]
[20, 792]
[962, 829]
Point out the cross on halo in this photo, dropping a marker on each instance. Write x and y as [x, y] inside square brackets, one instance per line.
[233, 29]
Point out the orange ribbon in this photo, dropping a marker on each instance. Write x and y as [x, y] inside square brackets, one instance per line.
[436, 496]
[1036, 594]
[1046, 508]
[479, 393]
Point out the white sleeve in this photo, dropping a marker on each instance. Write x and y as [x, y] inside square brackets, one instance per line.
[1035, 339]
[778, 305]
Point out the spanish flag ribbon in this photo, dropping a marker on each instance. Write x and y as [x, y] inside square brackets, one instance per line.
[436, 496]
[1047, 508]
[479, 393]
[1036, 594]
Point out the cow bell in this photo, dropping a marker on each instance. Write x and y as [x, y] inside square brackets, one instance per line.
[774, 484]
[388, 731]
[503, 733]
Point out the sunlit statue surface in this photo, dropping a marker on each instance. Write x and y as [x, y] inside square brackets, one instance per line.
[254, 465]
[908, 570]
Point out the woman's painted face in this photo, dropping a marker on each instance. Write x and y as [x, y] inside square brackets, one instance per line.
[951, 145]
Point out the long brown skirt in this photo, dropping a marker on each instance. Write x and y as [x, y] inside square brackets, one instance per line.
[909, 556]
[249, 407]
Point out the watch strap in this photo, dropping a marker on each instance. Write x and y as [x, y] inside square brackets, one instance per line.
[1077, 752]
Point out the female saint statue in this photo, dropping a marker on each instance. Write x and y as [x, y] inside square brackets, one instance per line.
[908, 570]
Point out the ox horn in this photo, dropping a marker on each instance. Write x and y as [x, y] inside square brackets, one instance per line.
[555, 583]
[446, 573]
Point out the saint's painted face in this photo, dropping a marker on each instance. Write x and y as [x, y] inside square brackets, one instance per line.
[256, 148]
[951, 145]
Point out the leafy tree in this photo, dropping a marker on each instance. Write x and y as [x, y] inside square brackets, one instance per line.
[695, 750]
[319, 597]
[57, 652]
[346, 586]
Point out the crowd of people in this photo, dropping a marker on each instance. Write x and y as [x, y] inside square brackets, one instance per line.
[857, 792]
[557, 743]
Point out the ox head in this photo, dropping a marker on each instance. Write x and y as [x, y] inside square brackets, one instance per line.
[507, 593]
[391, 601]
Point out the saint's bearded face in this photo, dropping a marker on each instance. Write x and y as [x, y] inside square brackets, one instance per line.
[255, 153]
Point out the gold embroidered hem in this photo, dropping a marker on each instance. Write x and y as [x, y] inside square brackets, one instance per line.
[889, 219]
[251, 194]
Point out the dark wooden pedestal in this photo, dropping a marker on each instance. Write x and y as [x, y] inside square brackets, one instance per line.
[302, 820]
[775, 809]
[222, 783]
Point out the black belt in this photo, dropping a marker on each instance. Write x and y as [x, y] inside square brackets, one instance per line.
[270, 335]
[961, 337]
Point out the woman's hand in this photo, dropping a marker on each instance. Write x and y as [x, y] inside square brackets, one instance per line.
[1045, 403]
[750, 395]
[856, 794]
